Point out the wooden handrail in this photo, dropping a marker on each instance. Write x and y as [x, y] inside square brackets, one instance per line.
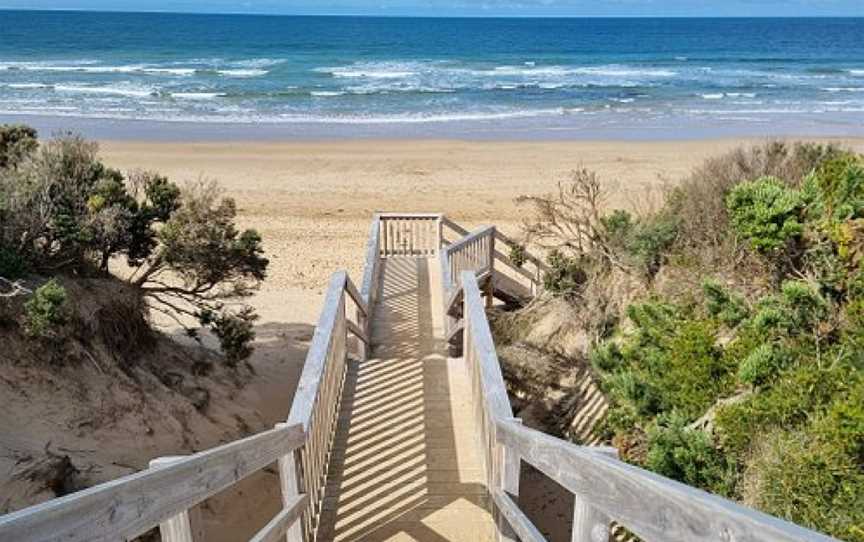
[369, 286]
[130, 506]
[494, 391]
[653, 507]
[278, 527]
[606, 489]
[528, 257]
[471, 237]
[317, 355]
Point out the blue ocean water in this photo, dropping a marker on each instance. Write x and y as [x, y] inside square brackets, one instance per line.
[643, 74]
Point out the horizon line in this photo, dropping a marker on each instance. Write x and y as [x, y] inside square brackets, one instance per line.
[420, 16]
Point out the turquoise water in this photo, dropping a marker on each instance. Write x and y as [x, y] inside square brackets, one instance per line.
[402, 75]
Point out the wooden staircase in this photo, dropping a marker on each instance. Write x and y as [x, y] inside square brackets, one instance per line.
[389, 438]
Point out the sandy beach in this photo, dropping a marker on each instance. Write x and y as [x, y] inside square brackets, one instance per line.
[312, 201]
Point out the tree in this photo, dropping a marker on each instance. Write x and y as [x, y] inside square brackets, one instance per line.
[65, 212]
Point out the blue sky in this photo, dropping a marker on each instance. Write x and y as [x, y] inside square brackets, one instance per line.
[532, 8]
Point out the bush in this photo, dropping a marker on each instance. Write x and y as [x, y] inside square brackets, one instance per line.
[650, 240]
[729, 308]
[808, 481]
[700, 200]
[670, 362]
[16, 143]
[837, 186]
[46, 311]
[565, 275]
[766, 213]
[763, 364]
[796, 393]
[235, 332]
[518, 255]
[634, 391]
[687, 455]
[606, 357]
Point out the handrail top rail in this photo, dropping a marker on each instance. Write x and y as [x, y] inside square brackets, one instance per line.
[482, 231]
[393, 215]
[529, 257]
[316, 356]
[650, 505]
[493, 387]
[127, 507]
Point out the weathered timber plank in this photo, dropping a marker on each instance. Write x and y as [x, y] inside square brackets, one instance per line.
[494, 390]
[357, 331]
[316, 356]
[277, 528]
[473, 236]
[370, 269]
[653, 507]
[454, 226]
[519, 522]
[129, 506]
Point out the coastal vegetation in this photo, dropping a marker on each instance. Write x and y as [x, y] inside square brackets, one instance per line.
[65, 216]
[725, 327]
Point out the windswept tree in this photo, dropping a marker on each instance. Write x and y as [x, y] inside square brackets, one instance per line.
[64, 212]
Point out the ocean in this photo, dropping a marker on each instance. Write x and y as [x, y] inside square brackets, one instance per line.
[281, 76]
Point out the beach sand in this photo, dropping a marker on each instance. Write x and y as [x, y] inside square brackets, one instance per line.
[312, 203]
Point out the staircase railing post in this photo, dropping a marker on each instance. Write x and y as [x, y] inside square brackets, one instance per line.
[589, 524]
[289, 483]
[185, 526]
[509, 465]
[490, 284]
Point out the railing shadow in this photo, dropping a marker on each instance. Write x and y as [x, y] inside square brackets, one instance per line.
[401, 462]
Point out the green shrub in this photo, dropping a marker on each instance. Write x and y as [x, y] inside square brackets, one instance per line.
[565, 275]
[618, 227]
[16, 143]
[805, 305]
[838, 187]
[635, 391]
[606, 357]
[518, 255]
[235, 332]
[670, 361]
[729, 308]
[787, 403]
[810, 482]
[763, 364]
[687, 455]
[650, 240]
[64, 212]
[46, 310]
[691, 371]
[766, 213]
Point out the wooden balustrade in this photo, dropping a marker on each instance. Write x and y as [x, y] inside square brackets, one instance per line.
[316, 401]
[128, 507]
[407, 234]
[604, 488]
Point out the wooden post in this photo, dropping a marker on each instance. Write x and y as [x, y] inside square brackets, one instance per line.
[490, 292]
[509, 467]
[590, 525]
[440, 227]
[185, 526]
[289, 483]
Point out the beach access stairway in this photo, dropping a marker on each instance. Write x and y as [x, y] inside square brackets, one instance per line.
[401, 428]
